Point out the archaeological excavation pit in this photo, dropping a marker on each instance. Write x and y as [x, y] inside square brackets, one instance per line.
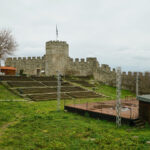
[106, 110]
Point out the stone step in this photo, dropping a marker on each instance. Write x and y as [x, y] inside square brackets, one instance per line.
[139, 123]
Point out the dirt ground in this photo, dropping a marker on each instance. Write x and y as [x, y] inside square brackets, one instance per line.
[129, 108]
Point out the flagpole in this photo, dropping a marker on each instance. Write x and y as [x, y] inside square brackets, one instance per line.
[56, 33]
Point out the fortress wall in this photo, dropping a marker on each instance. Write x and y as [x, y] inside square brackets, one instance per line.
[144, 83]
[29, 65]
[105, 75]
[128, 80]
[81, 67]
[57, 59]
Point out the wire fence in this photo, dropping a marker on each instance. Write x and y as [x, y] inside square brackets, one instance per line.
[129, 106]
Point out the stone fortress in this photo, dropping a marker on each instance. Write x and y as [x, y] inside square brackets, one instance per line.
[57, 59]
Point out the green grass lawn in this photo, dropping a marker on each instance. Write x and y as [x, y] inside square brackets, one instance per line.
[111, 92]
[37, 125]
[7, 95]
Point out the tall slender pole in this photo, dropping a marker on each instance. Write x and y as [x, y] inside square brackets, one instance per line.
[137, 84]
[56, 33]
[58, 91]
[118, 100]
[0, 65]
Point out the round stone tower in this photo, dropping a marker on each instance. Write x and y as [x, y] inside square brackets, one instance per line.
[57, 53]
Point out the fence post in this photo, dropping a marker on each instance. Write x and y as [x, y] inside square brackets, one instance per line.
[118, 100]
[64, 103]
[87, 105]
[137, 84]
[58, 90]
[74, 101]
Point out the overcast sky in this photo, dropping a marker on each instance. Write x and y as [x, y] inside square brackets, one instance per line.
[117, 32]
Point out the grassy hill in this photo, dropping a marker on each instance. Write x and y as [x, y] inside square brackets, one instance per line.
[37, 125]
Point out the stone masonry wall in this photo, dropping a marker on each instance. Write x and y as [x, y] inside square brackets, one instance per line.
[81, 67]
[108, 77]
[57, 53]
[57, 59]
[105, 75]
[29, 65]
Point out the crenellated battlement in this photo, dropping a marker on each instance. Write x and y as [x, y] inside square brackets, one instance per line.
[105, 67]
[134, 74]
[9, 59]
[124, 74]
[57, 59]
[77, 60]
[55, 43]
[113, 70]
[147, 74]
[24, 58]
[91, 59]
[130, 74]
[83, 60]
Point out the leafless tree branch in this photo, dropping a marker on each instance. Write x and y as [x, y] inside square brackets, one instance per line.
[7, 43]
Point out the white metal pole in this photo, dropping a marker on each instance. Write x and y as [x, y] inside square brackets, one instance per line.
[137, 84]
[118, 96]
[58, 90]
[56, 33]
[0, 66]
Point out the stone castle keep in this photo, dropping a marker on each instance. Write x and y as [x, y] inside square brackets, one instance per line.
[57, 59]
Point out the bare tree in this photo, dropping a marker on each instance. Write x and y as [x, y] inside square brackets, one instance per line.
[7, 43]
